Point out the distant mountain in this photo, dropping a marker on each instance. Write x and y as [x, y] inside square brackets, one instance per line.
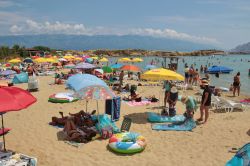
[243, 48]
[80, 42]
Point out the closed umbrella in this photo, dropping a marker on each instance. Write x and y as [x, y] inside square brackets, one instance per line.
[14, 99]
[161, 74]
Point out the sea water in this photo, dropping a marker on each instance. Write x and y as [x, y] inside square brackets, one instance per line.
[239, 63]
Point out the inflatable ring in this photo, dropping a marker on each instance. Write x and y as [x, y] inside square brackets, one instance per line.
[54, 99]
[127, 143]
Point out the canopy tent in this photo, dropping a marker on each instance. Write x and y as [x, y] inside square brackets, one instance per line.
[161, 74]
[20, 78]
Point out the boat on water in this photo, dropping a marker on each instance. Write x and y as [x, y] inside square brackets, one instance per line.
[219, 69]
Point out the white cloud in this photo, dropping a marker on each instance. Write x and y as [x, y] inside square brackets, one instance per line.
[79, 29]
[10, 18]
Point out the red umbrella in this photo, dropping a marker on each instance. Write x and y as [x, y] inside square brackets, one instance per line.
[130, 68]
[13, 99]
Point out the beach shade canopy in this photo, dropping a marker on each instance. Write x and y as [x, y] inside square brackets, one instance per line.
[88, 86]
[149, 67]
[116, 66]
[14, 99]
[28, 60]
[15, 61]
[219, 69]
[161, 74]
[107, 69]
[124, 60]
[131, 68]
[84, 66]
[7, 72]
[137, 60]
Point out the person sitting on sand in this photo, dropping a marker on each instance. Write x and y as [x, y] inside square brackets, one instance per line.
[133, 96]
[58, 79]
[191, 106]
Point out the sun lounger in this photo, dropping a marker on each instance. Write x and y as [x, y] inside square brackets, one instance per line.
[232, 105]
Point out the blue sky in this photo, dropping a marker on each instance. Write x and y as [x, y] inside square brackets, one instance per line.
[223, 23]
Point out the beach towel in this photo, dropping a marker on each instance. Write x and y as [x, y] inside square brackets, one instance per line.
[188, 125]
[157, 118]
[4, 131]
[113, 107]
[141, 103]
[104, 121]
[65, 95]
[242, 157]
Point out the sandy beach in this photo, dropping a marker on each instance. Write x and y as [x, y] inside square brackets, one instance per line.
[206, 145]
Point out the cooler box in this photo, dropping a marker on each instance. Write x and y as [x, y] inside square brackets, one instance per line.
[113, 107]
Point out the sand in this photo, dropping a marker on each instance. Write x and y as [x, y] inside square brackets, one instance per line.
[206, 145]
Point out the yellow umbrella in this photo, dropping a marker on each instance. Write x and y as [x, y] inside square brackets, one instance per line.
[15, 61]
[103, 59]
[40, 60]
[94, 57]
[137, 60]
[51, 60]
[124, 60]
[161, 74]
[68, 57]
[78, 59]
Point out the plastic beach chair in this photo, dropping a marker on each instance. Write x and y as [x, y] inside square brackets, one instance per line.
[126, 124]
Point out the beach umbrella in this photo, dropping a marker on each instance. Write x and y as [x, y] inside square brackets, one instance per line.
[131, 68]
[149, 67]
[137, 60]
[28, 60]
[116, 66]
[219, 69]
[40, 60]
[95, 57]
[107, 69]
[15, 61]
[78, 59]
[7, 72]
[103, 59]
[69, 66]
[88, 86]
[51, 60]
[89, 60]
[84, 65]
[13, 99]
[161, 74]
[124, 60]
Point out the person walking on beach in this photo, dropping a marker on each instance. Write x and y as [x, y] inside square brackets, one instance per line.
[121, 79]
[236, 84]
[205, 102]
[186, 74]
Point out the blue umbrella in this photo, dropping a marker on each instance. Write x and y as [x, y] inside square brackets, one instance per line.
[219, 69]
[116, 66]
[149, 67]
[28, 60]
[89, 87]
[89, 60]
[84, 66]
[7, 72]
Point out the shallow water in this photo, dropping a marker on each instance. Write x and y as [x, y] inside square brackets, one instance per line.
[239, 63]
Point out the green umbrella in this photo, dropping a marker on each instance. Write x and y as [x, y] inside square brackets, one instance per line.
[107, 69]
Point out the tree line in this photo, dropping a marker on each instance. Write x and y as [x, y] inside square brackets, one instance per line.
[16, 50]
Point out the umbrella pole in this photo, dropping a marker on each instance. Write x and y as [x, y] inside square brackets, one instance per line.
[3, 133]
[97, 107]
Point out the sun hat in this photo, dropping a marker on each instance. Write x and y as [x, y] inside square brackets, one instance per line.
[173, 90]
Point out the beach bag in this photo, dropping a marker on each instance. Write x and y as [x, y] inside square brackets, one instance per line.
[107, 132]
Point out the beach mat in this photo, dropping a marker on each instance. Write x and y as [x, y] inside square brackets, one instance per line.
[241, 158]
[188, 125]
[4, 131]
[157, 118]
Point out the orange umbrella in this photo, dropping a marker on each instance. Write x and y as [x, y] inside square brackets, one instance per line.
[130, 68]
